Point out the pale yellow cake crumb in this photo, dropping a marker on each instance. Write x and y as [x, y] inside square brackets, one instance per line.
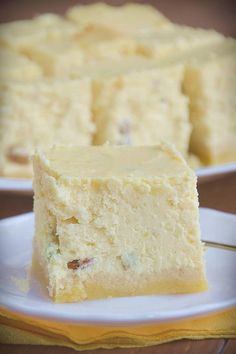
[210, 83]
[15, 66]
[41, 113]
[19, 35]
[129, 18]
[116, 221]
[138, 101]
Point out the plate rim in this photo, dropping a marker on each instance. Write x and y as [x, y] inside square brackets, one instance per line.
[56, 315]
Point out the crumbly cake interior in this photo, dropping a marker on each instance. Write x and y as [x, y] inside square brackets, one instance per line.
[116, 221]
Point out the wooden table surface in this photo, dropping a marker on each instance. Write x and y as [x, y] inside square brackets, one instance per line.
[219, 194]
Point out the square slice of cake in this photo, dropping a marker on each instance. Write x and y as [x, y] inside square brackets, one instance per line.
[210, 83]
[40, 113]
[116, 221]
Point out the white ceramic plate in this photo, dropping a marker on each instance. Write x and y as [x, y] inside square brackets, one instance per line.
[16, 185]
[15, 254]
[24, 186]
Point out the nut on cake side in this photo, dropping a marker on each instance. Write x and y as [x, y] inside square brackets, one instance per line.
[210, 83]
[116, 221]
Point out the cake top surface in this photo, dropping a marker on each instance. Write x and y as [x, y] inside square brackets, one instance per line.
[106, 68]
[113, 161]
[48, 21]
[126, 18]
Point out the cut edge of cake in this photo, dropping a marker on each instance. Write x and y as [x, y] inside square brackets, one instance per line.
[105, 258]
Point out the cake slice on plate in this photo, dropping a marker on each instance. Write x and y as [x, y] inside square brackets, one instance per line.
[116, 221]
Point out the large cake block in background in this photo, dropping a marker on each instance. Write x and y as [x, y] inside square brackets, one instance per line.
[139, 102]
[98, 43]
[116, 221]
[127, 19]
[41, 113]
[210, 83]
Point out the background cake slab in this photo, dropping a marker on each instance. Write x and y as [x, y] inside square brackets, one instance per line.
[24, 186]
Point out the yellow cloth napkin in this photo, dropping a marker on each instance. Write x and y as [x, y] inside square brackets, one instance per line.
[20, 329]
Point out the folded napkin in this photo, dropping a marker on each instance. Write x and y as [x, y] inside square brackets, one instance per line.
[21, 329]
